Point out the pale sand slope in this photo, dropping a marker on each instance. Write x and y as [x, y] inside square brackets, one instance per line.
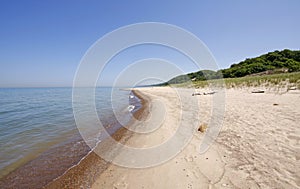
[258, 146]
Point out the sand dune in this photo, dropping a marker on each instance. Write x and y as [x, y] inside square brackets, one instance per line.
[258, 146]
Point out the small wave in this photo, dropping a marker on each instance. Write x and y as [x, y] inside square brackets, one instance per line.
[7, 111]
[78, 163]
[130, 107]
[131, 96]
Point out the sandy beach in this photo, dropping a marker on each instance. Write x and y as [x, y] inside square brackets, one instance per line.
[150, 94]
[257, 147]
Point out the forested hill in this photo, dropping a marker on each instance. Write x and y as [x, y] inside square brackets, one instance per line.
[272, 62]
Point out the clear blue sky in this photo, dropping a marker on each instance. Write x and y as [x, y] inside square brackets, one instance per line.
[42, 42]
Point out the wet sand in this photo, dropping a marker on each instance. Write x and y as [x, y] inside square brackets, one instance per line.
[86, 172]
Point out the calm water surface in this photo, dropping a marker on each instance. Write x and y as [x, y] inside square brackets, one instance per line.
[34, 120]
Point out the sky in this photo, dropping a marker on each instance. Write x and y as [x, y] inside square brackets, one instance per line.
[43, 42]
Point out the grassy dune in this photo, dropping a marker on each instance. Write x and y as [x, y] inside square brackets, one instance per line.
[279, 81]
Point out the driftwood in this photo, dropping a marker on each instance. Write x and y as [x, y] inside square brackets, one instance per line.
[194, 94]
[292, 88]
[209, 93]
[258, 91]
[204, 93]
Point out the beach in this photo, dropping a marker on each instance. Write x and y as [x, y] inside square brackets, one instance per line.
[257, 147]
[150, 95]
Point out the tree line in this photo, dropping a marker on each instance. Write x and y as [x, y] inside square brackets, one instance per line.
[272, 62]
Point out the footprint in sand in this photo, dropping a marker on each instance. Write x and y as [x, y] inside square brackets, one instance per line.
[189, 158]
[122, 185]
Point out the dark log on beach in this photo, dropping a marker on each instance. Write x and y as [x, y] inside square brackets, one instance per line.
[196, 94]
[258, 91]
[205, 93]
[209, 93]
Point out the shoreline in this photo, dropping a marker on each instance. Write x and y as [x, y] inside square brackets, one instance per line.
[92, 164]
[81, 173]
[256, 147]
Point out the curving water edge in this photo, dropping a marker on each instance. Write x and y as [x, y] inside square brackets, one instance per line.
[54, 166]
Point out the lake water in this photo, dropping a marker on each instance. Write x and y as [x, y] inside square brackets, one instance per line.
[39, 121]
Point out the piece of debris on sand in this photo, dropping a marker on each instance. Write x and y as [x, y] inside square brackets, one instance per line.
[258, 91]
[202, 128]
[292, 88]
[209, 93]
[204, 93]
[194, 94]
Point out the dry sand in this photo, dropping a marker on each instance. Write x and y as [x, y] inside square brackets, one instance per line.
[258, 146]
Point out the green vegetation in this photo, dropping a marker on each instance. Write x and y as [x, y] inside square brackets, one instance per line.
[277, 81]
[196, 76]
[277, 61]
[273, 68]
